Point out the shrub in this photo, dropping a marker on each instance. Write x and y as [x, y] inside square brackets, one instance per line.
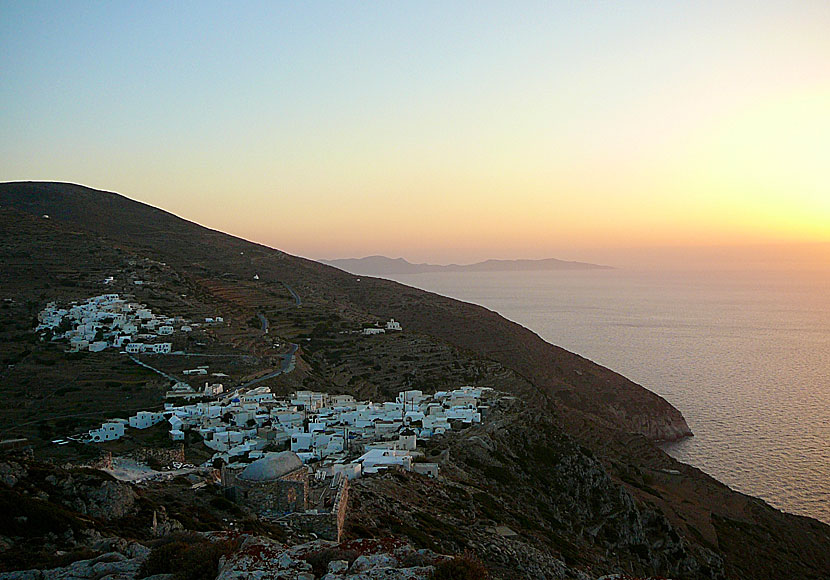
[187, 557]
[463, 567]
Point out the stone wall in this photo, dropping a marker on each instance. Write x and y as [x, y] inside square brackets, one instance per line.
[164, 456]
[341, 504]
[329, 525]
[272, 498]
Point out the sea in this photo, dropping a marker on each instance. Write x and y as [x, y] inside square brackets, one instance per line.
[745, 356]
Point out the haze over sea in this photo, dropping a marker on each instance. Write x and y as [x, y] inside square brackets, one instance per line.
[744, 355]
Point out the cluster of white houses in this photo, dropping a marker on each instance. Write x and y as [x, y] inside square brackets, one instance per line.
[391, 326]
[109, 321]
[350, 437]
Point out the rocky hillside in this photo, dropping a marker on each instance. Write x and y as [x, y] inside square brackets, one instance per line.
[566, 482]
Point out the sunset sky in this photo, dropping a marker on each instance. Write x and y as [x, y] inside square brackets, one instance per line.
[436, 131]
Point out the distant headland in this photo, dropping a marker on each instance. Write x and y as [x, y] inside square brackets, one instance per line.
[375, 265]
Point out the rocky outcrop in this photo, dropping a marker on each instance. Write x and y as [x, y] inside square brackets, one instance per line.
[109, 566]
[357, 560]
[526, 498]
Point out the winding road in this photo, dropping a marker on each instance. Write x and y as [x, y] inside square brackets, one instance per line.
[294, 295]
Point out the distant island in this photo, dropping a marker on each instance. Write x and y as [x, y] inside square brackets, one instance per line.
[377, 265]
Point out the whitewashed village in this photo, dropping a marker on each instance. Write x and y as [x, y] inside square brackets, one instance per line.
[289, 459]
[109, 321]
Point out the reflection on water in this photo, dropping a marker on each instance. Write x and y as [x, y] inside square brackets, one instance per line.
[745, 357]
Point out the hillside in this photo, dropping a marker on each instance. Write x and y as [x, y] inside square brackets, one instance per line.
[573, 468]
[380, 265]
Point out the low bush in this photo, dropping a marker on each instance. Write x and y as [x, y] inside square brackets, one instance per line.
[187, 557]
[463, 567]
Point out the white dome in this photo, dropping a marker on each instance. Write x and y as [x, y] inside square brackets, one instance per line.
[272, 466]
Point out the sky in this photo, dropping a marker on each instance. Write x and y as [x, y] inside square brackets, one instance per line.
[437, 131]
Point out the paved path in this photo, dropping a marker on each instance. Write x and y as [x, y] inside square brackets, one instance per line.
[293, 294]
[155, 370]
[286, 367]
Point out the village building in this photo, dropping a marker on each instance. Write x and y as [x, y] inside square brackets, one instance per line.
[109, 431]
[145, 419]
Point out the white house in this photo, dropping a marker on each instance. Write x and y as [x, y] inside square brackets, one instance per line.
[342, 401]
[214, 389]
[393, 325]
[109, 431]
[370, 331]
[134, 347]
[165, 329]
[77, 344]
[376, 459]
[176, 423]
[349, 470]
[407, 439]
[98, 346]
[428, 469]
[144, 419]
[301, 442]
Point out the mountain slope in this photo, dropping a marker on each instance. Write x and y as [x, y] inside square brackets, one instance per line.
[579, 383]
[576, 474]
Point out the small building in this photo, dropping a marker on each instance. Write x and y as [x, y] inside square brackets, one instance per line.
[98, 345]
[393, 325]
[407, 440]
[214, 389]
[77, 344]
[372, 330]
[428, 469]
[165, 329]
[301, 441]
[145, 419]
[275, 485]
[134, 348]
[109, 431]
[375, 460]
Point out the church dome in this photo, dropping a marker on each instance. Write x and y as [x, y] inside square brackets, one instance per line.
[271, 467]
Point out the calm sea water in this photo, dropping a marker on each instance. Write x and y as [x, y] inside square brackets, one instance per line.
[744, 356]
